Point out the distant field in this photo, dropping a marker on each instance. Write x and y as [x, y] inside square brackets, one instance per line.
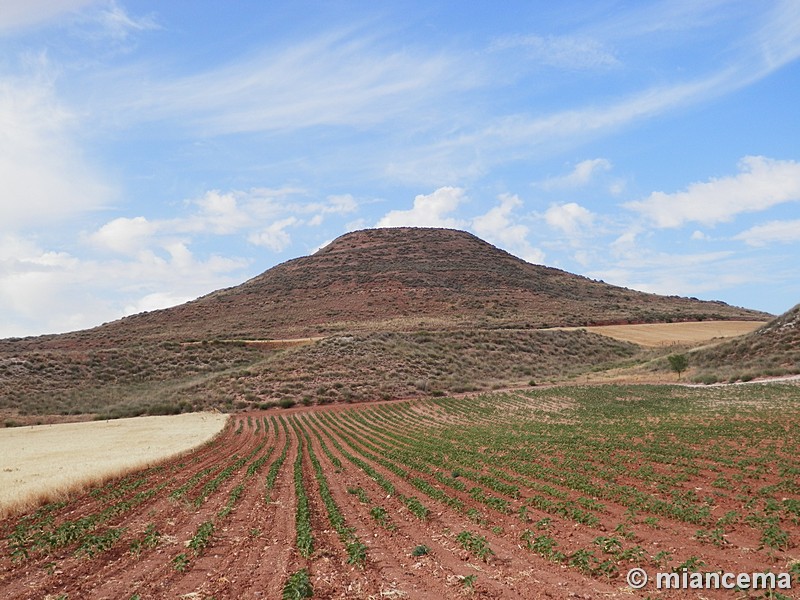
[46, 460]
[666, 334]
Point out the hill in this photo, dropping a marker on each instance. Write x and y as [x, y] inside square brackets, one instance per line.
[771, 350]
[400, 312]
[401, 279]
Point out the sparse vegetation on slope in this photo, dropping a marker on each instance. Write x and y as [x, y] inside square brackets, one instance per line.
[359, 367]
[770, 351]
[121, 382]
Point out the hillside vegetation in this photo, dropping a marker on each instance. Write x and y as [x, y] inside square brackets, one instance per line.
[346, 368]
[771, 350]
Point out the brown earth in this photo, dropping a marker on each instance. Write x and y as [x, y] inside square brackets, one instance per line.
[252, 551]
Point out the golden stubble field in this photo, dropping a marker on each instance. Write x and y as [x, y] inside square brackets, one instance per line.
[45, 461]
[667, 334]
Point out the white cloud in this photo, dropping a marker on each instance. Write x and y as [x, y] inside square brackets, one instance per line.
[569, 218]
[43, 178]
[580, 176]
[341, 204]
[430, 210]
[567, 52]
[501, 227]
[219, 214]
[262, 216]
[123, 235]
[700, 236]
[761, 183]
[681, 274]
[50, 291]
[774, 231]
[335, 79]
[625, 242]
[117, 23]
[154, 301]
[274, 236]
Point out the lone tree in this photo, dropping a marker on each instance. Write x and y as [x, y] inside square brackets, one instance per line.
[678, 363]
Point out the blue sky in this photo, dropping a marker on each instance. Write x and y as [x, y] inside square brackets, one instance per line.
[152, 152]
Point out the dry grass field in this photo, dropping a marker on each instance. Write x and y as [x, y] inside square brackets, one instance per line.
[45, 461]
[668, 334]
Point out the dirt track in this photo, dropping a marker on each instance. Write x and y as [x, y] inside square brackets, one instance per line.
[252, 550]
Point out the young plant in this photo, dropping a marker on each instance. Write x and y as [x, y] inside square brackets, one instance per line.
[298, 586]
[421, 550]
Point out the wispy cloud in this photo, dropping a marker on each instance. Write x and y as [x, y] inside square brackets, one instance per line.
[580, 175]
[336, 79]
[565, 52]
[119, 24]
[786, 232]
[778, 39]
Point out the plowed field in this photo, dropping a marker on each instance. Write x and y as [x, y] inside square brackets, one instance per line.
[548, 494]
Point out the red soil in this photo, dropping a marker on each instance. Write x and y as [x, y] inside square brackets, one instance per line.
[252, 551]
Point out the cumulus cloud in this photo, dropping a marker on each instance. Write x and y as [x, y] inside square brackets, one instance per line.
[501, 227]
[124, 235]
[274, 236]
[568, 218]
[261, 215]
[49, 291]
[219, 214]
[430, 210]
[774, 231]
[760, 184]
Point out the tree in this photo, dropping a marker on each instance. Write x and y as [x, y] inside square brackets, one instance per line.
[678, 363]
